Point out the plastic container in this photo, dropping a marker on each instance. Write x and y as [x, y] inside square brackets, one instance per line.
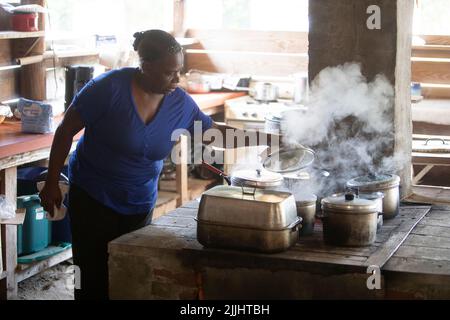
[35, 233]
[25, 22]
[27, 185]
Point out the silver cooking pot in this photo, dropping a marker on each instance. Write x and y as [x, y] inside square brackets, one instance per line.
[349, 221]
[377, 197]
[386, 183]
[264, 91]
[306, 209]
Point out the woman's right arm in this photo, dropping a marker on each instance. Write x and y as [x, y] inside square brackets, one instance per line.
[72, 124]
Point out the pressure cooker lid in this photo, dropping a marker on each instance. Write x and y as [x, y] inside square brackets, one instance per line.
[289, 159]
[349, 203]
[256, 178]
[374, 181]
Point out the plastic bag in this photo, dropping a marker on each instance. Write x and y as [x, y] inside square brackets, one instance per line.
[58, 214]
[6, 209]
[37, 117]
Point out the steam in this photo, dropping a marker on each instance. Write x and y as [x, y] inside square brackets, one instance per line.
[349, 124]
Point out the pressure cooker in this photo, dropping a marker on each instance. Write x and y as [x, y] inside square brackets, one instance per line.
[386, 183]
[349, 221]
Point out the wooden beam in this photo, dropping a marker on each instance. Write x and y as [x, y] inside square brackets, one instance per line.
[33, 81]
[339, 34]
[403, 117]
[178, 18]
[250, 40]
[182, 171]
[8, 187]
[32, 269]
[254, 63]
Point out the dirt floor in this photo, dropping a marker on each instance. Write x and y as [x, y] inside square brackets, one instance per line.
[52, 284]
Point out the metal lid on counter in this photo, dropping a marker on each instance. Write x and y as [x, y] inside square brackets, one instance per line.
[374, 182]
[349, 204]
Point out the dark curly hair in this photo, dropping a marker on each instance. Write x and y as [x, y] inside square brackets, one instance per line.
[152, 45]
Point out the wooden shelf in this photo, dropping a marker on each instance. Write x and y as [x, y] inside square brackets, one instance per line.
[20, 35]
[25, 271]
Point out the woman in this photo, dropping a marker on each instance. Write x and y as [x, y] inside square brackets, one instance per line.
[128, 116]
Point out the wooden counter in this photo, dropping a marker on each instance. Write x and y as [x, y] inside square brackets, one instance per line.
[165, 261]
[17, 148]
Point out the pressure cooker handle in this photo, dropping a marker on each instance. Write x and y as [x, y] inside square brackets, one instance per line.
[217, 171]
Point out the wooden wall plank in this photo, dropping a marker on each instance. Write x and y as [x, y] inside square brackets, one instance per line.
[436, 39]
[250, 40]
[436, 92]
[5, 52]
[431, 71]
[431, 51]
[8, 84]
[250, 63]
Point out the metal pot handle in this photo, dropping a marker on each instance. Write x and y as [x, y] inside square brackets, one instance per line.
[295, 223]
[246, 192]
[435, 139]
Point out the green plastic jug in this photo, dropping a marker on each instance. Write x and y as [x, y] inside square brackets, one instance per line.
[35, 233]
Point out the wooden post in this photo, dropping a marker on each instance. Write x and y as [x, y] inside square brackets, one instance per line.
[33, 82]
[339, 33]
[178, 18]
[182, 171]
[8, 187]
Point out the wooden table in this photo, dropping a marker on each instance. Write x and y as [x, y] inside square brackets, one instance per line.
[427, 159]
[165, 261]
[17, 148]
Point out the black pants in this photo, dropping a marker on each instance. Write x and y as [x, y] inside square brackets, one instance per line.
[93, 226]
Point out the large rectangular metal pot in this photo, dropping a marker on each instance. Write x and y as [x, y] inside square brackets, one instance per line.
[265, 221]
[257, 240]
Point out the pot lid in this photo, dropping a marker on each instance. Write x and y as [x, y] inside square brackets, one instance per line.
[256, 178]
[371, 195]
[289, 159]
[374, 181]
[348, 203]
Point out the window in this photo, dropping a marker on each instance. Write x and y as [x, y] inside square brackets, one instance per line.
[279, 15]
[78, 18]
[431, 17]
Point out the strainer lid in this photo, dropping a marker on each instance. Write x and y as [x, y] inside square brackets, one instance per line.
[289, 159]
